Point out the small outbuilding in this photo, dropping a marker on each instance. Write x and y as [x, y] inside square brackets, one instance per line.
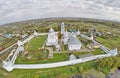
[93, 46]
[72, 57]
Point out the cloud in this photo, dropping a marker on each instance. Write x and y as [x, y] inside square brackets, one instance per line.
[18, 10]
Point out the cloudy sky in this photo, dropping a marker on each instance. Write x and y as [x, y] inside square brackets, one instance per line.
[18, 10]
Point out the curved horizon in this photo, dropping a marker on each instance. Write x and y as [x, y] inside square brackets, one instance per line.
[21, 10]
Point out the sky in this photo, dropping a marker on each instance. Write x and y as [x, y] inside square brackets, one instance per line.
[19, 10]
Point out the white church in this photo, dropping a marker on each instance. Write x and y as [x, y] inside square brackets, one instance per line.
[74, 44]
[70, 39]
[52, 39]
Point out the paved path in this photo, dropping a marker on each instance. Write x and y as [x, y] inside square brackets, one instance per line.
[57, 64]
[40, 34]
[50, 52]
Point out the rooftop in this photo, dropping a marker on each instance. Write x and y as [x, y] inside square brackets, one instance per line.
[73, 41]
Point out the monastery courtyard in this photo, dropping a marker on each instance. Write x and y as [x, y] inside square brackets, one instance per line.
[50, 48]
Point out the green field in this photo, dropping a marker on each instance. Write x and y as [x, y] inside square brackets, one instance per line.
[97, 52]
[94, 52]
[36, 43]
[110, 43]
[56, 58]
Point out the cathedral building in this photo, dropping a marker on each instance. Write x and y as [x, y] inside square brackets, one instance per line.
[52, 39]
[74, 44]
[70, 39]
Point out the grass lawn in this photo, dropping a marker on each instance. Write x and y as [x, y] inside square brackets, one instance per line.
[110, 42]
[39, 54]
[58, 57]
[80, 53]
[97, 52]
[35, 43]
[59, 72]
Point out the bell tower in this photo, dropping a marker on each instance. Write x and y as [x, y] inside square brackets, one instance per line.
[62, 28]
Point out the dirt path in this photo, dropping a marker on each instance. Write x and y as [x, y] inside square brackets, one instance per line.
[50, 52]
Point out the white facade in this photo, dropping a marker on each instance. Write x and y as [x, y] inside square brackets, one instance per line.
[65, 37]
[74, 47]
[57, 48]
[52, 38]
[35, 33]
[91, 37]
[74, 43]
[62, 28]
[78, 32]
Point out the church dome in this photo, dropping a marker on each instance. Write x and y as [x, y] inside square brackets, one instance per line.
[51, 30]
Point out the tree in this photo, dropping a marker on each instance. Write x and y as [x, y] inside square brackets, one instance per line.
[59, 35]
[36, 76]
[109, 62]
[81, 69]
